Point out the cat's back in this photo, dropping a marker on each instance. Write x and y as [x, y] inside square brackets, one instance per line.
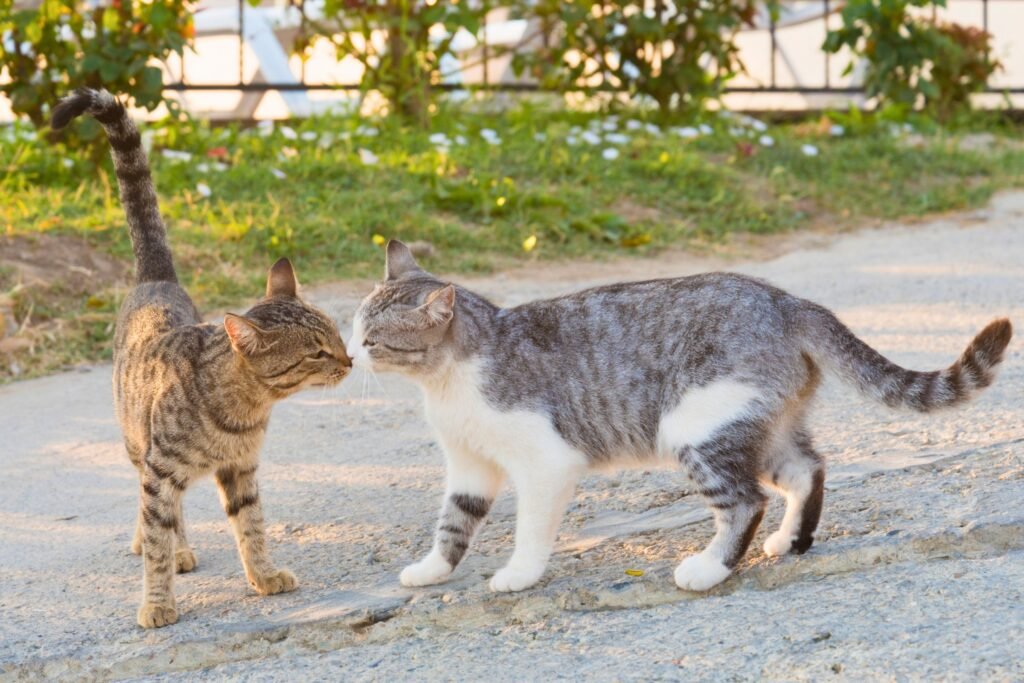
[645, 311]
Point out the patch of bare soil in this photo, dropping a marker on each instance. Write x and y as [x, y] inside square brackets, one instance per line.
[46, 281]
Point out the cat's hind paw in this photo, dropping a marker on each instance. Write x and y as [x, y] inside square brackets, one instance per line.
[278, 581]
[700, 572]
[778, 544]
[511, 579]
[185, 560]
[156, 616]
[430, 570]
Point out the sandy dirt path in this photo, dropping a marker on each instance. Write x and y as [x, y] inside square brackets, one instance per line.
[918, 570]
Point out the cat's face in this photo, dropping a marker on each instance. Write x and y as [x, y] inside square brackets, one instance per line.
[402, 326]
[287, 343]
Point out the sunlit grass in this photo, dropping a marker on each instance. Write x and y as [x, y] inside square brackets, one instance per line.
[321, 190]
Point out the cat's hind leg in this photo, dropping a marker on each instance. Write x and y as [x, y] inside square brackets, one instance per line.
[724, 471]
[472, 485]
[798, 473]
[184, 557]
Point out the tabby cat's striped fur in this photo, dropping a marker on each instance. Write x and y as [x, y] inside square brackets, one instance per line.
[194, 398]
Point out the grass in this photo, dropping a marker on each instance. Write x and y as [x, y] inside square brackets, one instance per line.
[349, 183]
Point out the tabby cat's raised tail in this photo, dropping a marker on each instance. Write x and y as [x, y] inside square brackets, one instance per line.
[833, 345]
[153, 261]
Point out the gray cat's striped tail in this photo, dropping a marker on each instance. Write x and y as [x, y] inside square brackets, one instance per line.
[153, 262]
[835, 347]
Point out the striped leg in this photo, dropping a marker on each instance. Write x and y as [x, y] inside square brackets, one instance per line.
[184, 557]
[240, 496]
[160, 502]
[472, 485]
[723, 470]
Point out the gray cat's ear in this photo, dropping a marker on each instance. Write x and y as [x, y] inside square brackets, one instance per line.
[281, 280]
[245, 337]
[399, 261]
[440, 305]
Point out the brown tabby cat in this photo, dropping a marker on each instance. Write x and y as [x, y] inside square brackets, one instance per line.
[194, 398]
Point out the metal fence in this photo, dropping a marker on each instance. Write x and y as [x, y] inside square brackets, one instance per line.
[825, 13]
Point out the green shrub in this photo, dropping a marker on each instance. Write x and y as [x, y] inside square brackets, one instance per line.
[911, 61]
[405, 66]
[63, 44]
[679, 54]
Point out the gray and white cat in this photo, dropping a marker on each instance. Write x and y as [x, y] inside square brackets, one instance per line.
[714, 372]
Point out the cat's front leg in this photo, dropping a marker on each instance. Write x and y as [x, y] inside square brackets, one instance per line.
[542, 493]
[162, 488]
[241, 499]
[472, 485]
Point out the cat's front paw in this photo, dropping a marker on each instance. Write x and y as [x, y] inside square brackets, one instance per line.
[778, 544]
[430, 570]
[700, 572]
[152, 615]
[278, 581]
[185, 560]
[511, 579]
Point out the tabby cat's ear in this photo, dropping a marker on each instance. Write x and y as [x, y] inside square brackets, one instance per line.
[281, 280]
[245, 337]
[398, 261]
[440, 305]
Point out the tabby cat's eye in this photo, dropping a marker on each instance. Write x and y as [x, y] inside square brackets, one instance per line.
[324, 354]
[369, 343]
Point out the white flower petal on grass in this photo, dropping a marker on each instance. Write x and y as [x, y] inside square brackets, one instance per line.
[759, 126]
[367, 131]
[652, 129]
[68, 163]
[488, 133]
[633, 124]
[737, 132]
[367, 157]
[279, 174]
[309, 136]
[617, 138]
[325, 141]
[705, 129]
[571, 140]
[203, 167]
[609, 126]
[204, 189]
[288, 133]
[439, 139]
[219, 167]
[836, 130]
[540, 137]
[175, 155]
[610, 153]
[766, 140]
[619, 30]
[809, 150]
[591, 138]
[686, 132]
[460, 140]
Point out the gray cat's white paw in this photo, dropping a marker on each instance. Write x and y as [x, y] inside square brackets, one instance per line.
[778, 544]
[700, 572]
[430, 570]
[512, 579]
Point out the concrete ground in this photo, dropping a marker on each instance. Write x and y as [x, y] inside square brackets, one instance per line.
[918, 571]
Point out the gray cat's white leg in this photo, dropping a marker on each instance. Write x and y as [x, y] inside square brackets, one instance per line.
[541, 496]
[472, 485]
[798, 473]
